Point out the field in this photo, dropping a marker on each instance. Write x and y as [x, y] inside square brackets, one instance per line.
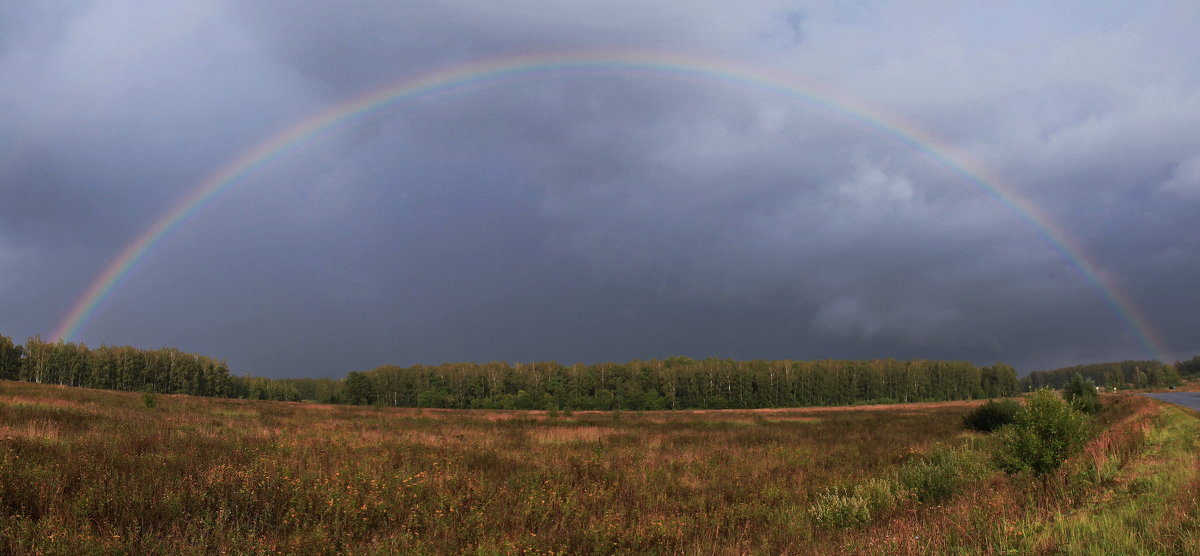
[91, 471]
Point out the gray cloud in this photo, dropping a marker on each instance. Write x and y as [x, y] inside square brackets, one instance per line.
[592, 215]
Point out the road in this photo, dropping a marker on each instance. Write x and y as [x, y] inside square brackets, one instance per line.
[1186, 399]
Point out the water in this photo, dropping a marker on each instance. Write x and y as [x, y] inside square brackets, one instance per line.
[1186, 399]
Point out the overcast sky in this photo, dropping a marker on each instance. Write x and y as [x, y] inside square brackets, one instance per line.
[589, 216]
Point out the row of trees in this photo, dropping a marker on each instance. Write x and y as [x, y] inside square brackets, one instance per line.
[115, 367]
[680, 382]
[676, 383]
[1119, 375]
[671, 383]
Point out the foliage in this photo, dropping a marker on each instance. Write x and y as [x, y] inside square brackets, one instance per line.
[1124, 374]
[839, 507]
[1046, 432]
[1154, 507]
[843, 507]
[673, 383]
[997, 381]
[1081, 393]
[1189, 369]
[683, 383]
[114, 367]
[358, 389]
[10, 359]
[992, 415]
[258, 388]
[149, 399]
[942, 473]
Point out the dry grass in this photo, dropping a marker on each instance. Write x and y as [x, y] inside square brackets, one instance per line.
[84, 471]
[1110, 499]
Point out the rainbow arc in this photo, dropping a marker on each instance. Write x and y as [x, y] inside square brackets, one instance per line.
[457, 78]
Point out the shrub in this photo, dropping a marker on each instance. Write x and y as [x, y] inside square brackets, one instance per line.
[992, 415]
[881, 494]
[1046, 432]
[1081, 393]
[941, 474]
[149, 398]
[840, 507]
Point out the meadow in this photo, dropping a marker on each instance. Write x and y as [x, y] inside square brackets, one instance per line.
[93, 471]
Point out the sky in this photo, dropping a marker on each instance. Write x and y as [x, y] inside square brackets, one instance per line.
[1015, 182]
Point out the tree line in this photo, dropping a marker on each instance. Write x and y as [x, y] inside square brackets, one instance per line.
[1117, 375]
[166, 370]
[676, 383]
[671, 383]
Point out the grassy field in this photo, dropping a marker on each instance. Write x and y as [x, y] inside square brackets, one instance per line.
[89, 471]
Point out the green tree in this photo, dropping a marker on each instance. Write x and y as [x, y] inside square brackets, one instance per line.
[359, 390]
[10, 359]
[1081, 394]
[1006, 380]
[1171, 376]
[1190, 368]
[37, 355]
[527, 400]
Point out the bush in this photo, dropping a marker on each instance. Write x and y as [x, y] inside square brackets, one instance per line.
[992, 415]
[852, 507]
[1081, 393]
[1046, 432]
[149, 398]
[881, 494]
[839, 507]
[941, 474]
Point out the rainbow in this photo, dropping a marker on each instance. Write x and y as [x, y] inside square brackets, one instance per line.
[460, 77]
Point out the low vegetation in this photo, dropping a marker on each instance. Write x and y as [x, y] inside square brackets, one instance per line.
[992, 415]
[89, 471]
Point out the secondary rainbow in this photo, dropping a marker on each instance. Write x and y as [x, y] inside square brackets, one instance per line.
[661, 65]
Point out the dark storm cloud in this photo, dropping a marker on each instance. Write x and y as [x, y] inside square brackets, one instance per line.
[593, 216]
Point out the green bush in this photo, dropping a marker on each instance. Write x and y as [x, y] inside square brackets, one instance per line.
[840, 507]
[941, 474]
[881, 494]
[1046, 432]
[992, 415]
[1081, 393]
[149, 399]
